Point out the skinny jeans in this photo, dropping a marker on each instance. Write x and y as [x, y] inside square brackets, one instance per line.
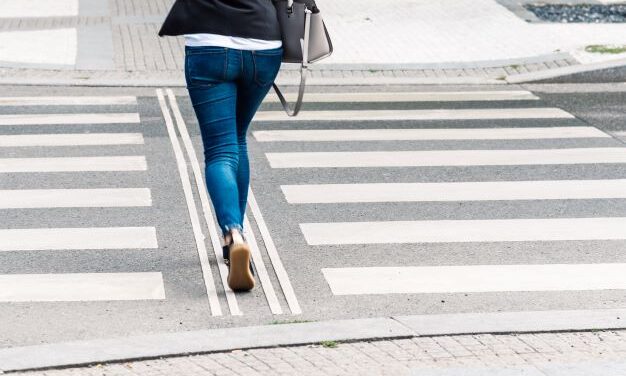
[226, 87]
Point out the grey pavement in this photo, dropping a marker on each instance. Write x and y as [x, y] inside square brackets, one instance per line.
[185, 307]
[117, 45]
[541, 354]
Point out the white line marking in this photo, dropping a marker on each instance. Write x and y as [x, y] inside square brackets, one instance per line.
[54, 119]
[38, 8]
[621, 134]
[458, 191]
[231, 298]
[455, 231]
[213, 300]
[74, 198]
[80, 287]
[68, 101]
[73, 139]
[73, 164]
[429, 134]
[475, 278]
[447, 158]
[55, 47]
[266, 283]
[38, 239]
[448, 114]
[432, 96]
[279, 269]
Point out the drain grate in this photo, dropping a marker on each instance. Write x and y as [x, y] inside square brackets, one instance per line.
[579, 13]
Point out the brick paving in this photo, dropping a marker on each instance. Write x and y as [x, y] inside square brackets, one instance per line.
[387, 357]
[138, 54]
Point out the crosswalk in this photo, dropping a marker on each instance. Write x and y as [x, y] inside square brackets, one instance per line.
[344, 168]
[72, 286]
[72, 141]
[322, 140]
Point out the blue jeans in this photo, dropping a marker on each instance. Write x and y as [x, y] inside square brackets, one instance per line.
[226, 87]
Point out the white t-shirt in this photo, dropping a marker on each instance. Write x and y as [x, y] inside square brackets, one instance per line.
[198, 40]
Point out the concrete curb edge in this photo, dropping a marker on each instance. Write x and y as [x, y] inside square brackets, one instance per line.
[227, 339]
[563, 71]
[321, 81]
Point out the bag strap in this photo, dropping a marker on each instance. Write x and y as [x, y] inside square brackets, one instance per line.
[303, 70]
[298, 104]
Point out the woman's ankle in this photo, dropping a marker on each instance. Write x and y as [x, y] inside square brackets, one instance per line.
[236, 236]
[233, 236]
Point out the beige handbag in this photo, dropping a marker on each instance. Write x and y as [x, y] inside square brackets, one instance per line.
[305, 41]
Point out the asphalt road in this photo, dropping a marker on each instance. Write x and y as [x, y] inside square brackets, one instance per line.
[185, 305]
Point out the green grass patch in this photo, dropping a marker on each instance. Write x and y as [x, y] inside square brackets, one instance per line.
[329, 344]
[281, 322]
[605, 49]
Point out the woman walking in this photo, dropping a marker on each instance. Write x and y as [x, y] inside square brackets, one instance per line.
[233, 52]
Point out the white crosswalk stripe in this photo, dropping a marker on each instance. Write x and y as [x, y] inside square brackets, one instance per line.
[74, 139]
[475, 230]
[68, 101]
[447, 158]
[475, 278]
[458, 191]
[73, 164]
[408, 279]
[36, 239]
[57, 119]
[74, 198]
[456, 114]
[81, 287]
[424, 96]
[310, 135]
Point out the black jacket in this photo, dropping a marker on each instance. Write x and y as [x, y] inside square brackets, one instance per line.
[237, 18]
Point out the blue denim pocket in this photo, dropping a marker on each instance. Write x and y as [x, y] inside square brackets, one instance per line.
[205, 66]
[266, 65]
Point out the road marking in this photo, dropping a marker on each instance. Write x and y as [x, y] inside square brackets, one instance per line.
[455, 231]
[447, 158]
[56, 119]
[621, 134]
[458, 191]
[429, 134]
[74, 198]
[73, 139]
[68, 101]
[231, 299]
[447, 114]
[39, 239]
[48, 49]
[259, 264]
[279, 268]
[38, 8]
[212, 298]
[81, 287]
[430, 96]
[475, 278]
[73, 164]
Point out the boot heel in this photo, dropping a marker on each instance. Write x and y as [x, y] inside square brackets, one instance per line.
[240, 277]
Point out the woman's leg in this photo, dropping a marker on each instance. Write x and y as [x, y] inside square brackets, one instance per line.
[259, 71]
[214, 98]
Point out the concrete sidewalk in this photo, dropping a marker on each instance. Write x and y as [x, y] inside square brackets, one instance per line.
[540, 354]
[413, 41]
[444, 342]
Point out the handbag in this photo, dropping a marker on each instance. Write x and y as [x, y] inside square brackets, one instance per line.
[305, 40]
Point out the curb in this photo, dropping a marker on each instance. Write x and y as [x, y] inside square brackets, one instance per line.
[564, 71]
[153, 346]
[317, 81]
[329, 80]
